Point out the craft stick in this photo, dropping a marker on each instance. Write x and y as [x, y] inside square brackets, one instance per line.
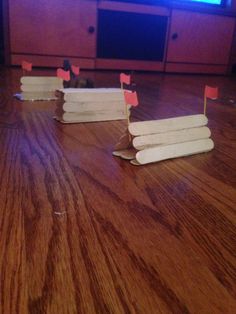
[99, 91]
[159, 153]
[127, 154]
[126, 106]
[127, 113]
[41, 80]
[38, 87]
[38, 96]
[69, 117]
[92, 113]
[180, 136]
[81, 107]
[94, 94]
[167, 125]
[135, 162]
[124, 142]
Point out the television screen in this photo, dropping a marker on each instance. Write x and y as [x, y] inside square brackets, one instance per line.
[153, 2]
[218, 2]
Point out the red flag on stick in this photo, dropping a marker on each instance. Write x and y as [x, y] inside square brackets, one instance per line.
[124, 78]
[75, 69]
[131, 98]
[65, 75]
[26, 66]
[211, 92]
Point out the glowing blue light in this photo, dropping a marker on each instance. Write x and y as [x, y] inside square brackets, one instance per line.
[208, 1]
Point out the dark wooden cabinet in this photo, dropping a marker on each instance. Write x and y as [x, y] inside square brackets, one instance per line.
[53, 30]
[199, 41]
[48, 31]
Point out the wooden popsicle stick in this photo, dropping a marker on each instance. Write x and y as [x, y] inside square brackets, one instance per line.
[124, 142]
[126, 106]
[180, 136]
[38, 96]
[159, 153]
[93, 94]
[92, 106]
[127, 154]
[135, 162]
[93, 116]
[40, 80]
[167, 125]
[38, 88]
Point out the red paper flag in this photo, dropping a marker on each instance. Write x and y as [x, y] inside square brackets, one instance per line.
[26, 66]
[75, 69]
[124, 78]
[131, 98]
[65, 75]
[211, 92]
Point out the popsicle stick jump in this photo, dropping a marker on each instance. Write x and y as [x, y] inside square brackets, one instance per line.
[152, 141]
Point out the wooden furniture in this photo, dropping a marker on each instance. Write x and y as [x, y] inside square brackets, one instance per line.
[85, 232]
[45, 33]
[138, 11]
[199, 42]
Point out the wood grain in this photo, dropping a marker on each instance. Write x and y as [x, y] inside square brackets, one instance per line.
[199, 36]
[85, 232]
[64, 26]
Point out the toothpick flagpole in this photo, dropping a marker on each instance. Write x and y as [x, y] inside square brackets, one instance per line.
[205, 104]
[126, 106]
[209, 92]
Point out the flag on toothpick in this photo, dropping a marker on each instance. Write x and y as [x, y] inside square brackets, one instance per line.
[124, 78]
[75, 69]
[65, 75]
[211, 92]
[26, 66]
[131, 98]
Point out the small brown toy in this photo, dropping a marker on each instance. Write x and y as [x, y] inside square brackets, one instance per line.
[75, 80]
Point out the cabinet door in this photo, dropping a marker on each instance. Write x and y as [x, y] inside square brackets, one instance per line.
[53, 27]
[200, 38]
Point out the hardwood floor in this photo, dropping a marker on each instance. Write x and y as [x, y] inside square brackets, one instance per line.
[84, 232]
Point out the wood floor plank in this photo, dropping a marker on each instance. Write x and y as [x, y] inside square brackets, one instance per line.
[84, 232]
[14, 286]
